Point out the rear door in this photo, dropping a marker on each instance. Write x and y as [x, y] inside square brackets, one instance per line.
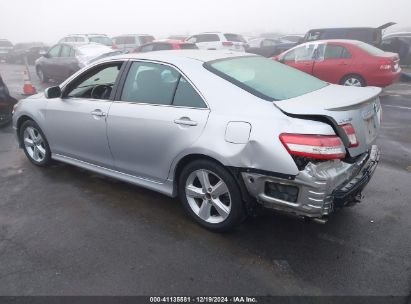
[157, 115]
[301, 58]
[332, 62]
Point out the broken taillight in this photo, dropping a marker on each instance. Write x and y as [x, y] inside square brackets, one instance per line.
[352, 137]
[314, 146]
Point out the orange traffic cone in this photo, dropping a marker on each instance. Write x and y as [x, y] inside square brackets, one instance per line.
[28, 88]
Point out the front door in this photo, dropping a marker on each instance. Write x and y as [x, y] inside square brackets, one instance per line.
[76, 123]
[301, 58]
[158, 115]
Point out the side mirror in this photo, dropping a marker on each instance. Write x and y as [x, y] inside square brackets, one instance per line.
[52, 92]
[42, 53]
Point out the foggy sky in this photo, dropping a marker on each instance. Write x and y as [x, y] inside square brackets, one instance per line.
[49, 20]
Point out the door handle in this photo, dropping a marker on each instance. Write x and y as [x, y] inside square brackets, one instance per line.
[98, 113]
[186, 121]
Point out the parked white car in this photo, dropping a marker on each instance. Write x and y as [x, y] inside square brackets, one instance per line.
[130, 43]
[218, 41]
[88, 38]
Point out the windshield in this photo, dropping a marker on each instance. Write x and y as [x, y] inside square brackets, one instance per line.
[372, 50]
[234, 38]
[265, 78]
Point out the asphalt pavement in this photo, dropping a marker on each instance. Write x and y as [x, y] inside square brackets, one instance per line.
[66, 231]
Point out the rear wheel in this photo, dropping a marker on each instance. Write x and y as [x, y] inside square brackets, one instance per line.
[35, 144]
[353, 81]
[211, 195]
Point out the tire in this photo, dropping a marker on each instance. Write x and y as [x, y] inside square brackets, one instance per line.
[216, 208]
[35, 144]
[43, 78]
[353, 80]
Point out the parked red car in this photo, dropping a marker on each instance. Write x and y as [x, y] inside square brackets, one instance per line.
[168, 44]
[345, 62]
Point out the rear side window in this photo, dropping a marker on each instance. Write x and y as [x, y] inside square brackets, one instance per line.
[234, 38]
[150, 83]
[335, 51]
[264, 77]
[186, 96]
[207, 38]
[54, 51]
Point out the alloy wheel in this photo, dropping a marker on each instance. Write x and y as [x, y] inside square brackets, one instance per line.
[208, 196]
[34, 144]
[353, 82]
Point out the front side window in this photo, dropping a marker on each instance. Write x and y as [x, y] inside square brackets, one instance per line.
[96, 84]
[54, 51]
[302, 53]
[65, 51]
[264, 77]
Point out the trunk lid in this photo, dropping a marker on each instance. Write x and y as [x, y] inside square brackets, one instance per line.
[339, 105]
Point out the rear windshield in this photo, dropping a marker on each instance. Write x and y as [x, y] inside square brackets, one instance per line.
[265, 78]
[102, 40]
[5, 43]
[234, 38]
[188, 46]
[372, 50]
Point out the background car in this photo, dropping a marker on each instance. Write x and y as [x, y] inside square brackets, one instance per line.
[89, 38]
[5, 48]
[130, 42]
[268, 47]
[294, 38]
[368, 35]
[346, 62]
[218, 41]
[30, 50]
[64, 59]
[399, 43]
[166, 45]
[6, 104]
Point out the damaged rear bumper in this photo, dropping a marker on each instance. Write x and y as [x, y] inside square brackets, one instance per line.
[318, 189]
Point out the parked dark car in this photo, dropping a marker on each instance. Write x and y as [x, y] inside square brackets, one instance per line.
[64, 59]
[368, 35]
[268, 47]
[6, 104]
[5, 49]
[399, 43]
[31, 50]
[166, 45]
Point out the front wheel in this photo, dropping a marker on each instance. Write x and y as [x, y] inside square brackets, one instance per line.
[211, 195]
[35, 144]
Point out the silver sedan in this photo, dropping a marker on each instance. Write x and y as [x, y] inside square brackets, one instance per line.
[226, 132]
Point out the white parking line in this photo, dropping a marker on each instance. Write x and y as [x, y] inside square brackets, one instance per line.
[399, 107]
